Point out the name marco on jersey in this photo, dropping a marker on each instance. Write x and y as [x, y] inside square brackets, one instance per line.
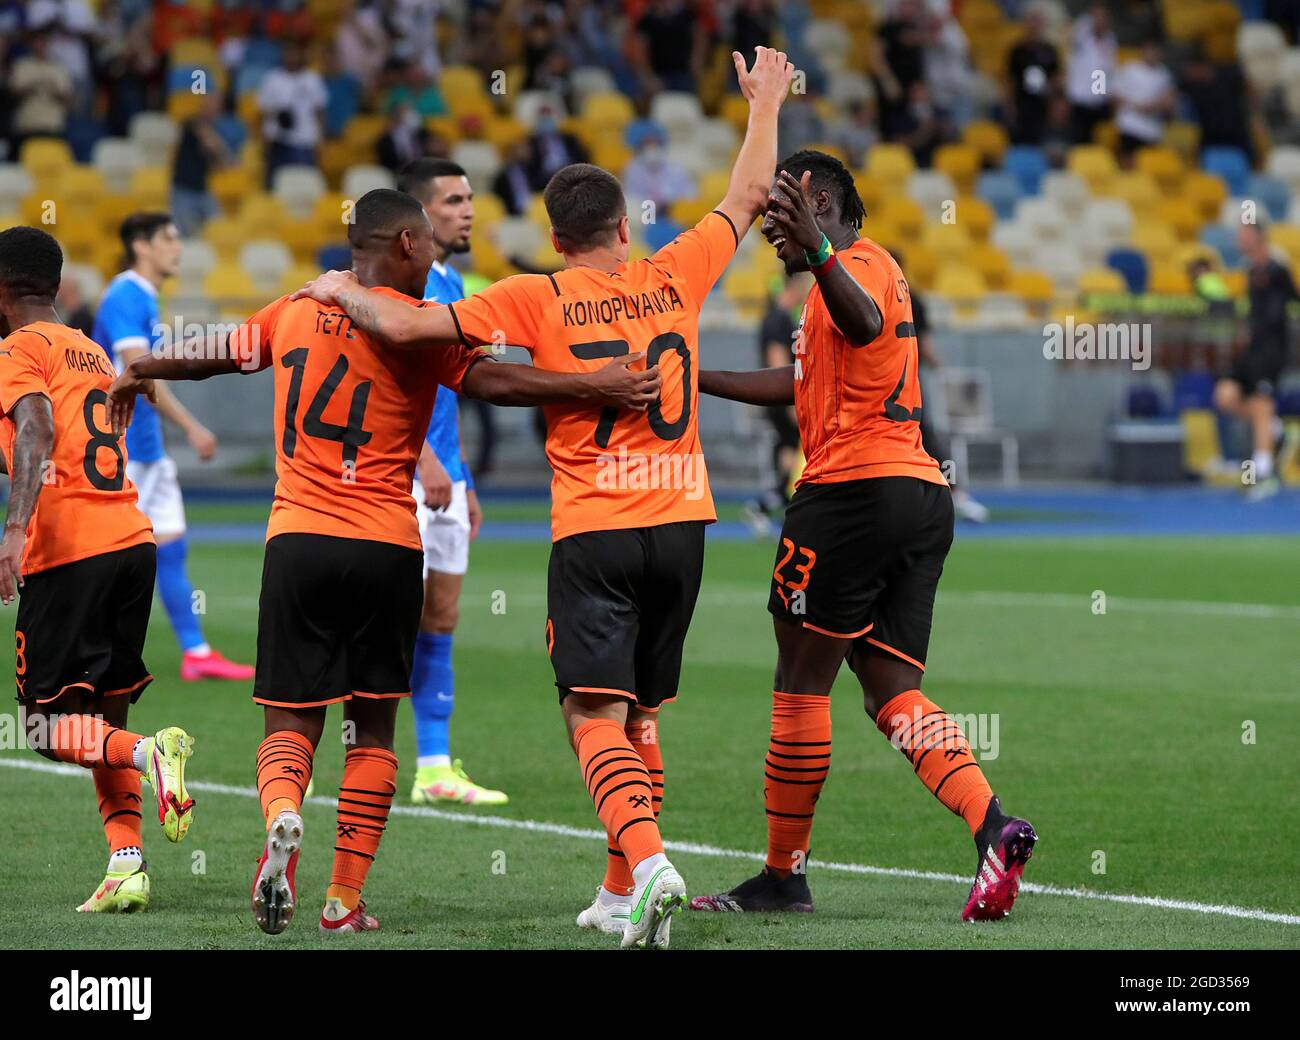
[579, 313]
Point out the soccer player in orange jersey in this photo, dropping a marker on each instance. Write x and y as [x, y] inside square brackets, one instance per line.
[630, 492]
[81, 554]
[342, 582]
[862, 546]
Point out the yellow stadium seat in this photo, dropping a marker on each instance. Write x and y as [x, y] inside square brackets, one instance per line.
[230, 186]
[902, 214]
[1101, 280]
[920, 266]
[364, 130]
[611, 153]
[1168, 280]
[687, 212]
[947, 241]
[1185, 139]
[151, 188]
[226, 235]
[230, 287]
[1094, 164]
[296, 277]
[1137, 189]
[1162, 164]
[262, 215]
[246, 107]
[961, 162]
[329, 212]
[1207, 191]
[992, 263]
[960, 284]
[976, 216]
[489, 210]
[303, 238]
[870, 189]
[502, 132]
[1197, 251]
[735, 110]
[111, 210]
[1201, 447]
[987, 138]
[609, 110]
[747, 287]
[183, 105]
[1032, 287]
[334, 157]
[82, 186]
[45, 159]
[1181, 215]
[1236, 282]
[890, 163]
[461, 81]
[1153, 237]
[1287, 238]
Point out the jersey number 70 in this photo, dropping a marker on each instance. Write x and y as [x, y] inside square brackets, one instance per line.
[660, 345]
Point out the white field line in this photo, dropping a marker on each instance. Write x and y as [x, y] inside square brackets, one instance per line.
[37, 765]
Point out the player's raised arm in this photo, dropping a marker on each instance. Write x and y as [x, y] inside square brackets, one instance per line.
[765, 87]
[791, 207]
[33, 419]
[400, 324]
[766, 386]
[615, 384]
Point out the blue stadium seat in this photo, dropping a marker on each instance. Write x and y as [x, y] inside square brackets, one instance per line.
[659, 233]
[232, 130]
[1132, 265]
[334, 258]
[1224, 239]
[1193, 390]
[1001, 190]
[1144, 402]
[1027, 165]
[1271, 192]
[1288, 403]
[181, 77]
[1229, 163]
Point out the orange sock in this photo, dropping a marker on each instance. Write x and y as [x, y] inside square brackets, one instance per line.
[939, 753]
[283, 772]
[619, 784]
[365, 797]
[119, 806]
[644, 738]
[91, 743]
[798, 761]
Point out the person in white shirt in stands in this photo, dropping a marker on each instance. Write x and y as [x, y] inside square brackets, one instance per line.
[1144, 92]
[292, 99]
[1089, 72]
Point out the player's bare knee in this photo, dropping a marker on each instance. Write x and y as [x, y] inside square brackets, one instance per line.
[1227, 396]
[579, 708]
[440, 618]
[307, 722]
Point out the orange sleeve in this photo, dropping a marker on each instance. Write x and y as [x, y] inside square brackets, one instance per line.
[700, 255]
[875, 278]
[250, 342]
[506, 313]
[23, 357]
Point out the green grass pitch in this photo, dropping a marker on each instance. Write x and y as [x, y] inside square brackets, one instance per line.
[1119, 735]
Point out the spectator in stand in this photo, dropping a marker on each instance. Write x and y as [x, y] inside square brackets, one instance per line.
[1145, 99]
[799, 125]
[550, 148]
[72, 306]
[898, 57]
[653, 177]
[292, 100]
[199, 150]
[413, 28]
[128, 67]
[1089, 71]
[857, 133]
[922, 126]
[342, 89]
[405, 139]
[1220, 95]
[671, 46]
[72, 29]
[361, 42]
[416, 89]
[948, 71]
[511, 184]
[1058, 134]
[753, 24]
[42, 91]
[1034, 73]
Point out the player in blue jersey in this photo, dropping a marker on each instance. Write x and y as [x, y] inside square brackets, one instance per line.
[127, 326]
[447, 508]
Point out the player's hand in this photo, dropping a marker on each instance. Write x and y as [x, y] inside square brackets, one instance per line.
[325, 289]
[11, 564]
[122, 395]
[203, 441]
[475, 512]
[768, 82]
[618, 384]
[436, 482]
[789, 204]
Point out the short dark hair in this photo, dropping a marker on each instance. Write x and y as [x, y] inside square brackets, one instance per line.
[382, 213]
[585, 204]
[31, 262]
[141, 227]
[415, 177]
[828, 174]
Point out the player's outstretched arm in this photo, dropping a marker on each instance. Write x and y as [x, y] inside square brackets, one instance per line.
[33, 419]
[851, 307]
[138, 378]
[613, 385]
[765, 386]
[765, 87]
[400, 324]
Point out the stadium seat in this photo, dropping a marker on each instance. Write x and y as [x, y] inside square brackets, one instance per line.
[358, 180]
[1093, 163]
[1224, 241]
[1273, 193]
[1207, 191]
[961, 162]
[294, 278]
[518, 236]
[930, 189]
[1230, 164]
[1237, 211]
[334, 258]
[677, 112]
[1183, 216]
[610, 111]
[1033, 288]
[226, 236]
[1027, 165]
[1001, 310]
[1139, 190]
[265, 260]
[1284, 164]
[959, 284]
[197, 259]
[892, 164]
[1260, 46]
[1153, 237]
[901, 213]
[949, 242]
[298, 188]
[1169, 280]
[81, 187]
[45, 159]
[156, 134]
[1162, 164]
[987, 138]
[1066, 190]
[1017, 241]
[531, 103]
[976, 216]
[1042, 217]
[992, 264]
[15, 184]
[1101, 280]
[1132, 266]
[591, 79]
[1286, 237]
[117, 159]
[848, 88]
[1001, 190]
[151, 188]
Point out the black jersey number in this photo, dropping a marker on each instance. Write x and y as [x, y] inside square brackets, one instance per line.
[667, 342]
[352, 436]
[101, 439]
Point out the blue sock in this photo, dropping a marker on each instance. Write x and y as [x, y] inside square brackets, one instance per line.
[432, 695]
[178, 594]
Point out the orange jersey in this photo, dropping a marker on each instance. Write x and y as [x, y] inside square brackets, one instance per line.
[859, 408]
[616, 469]
[86, 506]
[350, 418]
